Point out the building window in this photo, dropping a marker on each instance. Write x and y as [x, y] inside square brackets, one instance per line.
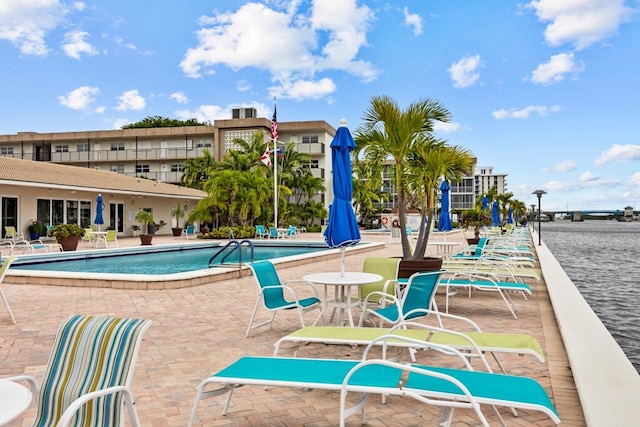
[201, 143]
[62, 148]
[117, 168]
[310, 139]
[142, 168]
[6, 151]
[177, 167]
[83, 147]
[118, 146]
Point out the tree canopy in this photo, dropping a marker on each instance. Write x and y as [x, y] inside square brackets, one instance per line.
[164, 122]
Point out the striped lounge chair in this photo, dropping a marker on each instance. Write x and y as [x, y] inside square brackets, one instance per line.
[87, 378]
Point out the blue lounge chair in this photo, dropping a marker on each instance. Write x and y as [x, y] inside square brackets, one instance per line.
[276, 296]
[261, 232]
[88, 376]
[414, 300]
[440, 386]
[190, 232]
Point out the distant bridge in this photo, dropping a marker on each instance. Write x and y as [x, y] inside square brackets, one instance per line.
[593, 212]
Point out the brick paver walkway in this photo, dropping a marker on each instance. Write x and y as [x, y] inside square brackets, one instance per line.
[199, 330]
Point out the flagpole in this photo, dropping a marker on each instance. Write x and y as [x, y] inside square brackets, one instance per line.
[274, 136]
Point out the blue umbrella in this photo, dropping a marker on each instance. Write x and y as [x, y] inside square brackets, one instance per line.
[485, 202]
[342, 228]
[99, 208]
[495, 214]
[509, 215]
[444, 223]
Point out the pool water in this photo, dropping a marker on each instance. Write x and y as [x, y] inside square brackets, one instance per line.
[159, 262]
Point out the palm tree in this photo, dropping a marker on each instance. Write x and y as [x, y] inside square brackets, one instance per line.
[389, 131]
[431, 162]
[367, 188]
[197, 171]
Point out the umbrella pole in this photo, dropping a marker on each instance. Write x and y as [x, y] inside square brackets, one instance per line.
[342, 253]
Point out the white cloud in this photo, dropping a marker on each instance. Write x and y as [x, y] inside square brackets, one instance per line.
[588, 177]
[330, 38]
[634, 181]
[131, 100]
[118, 123]
[464, 73]
[179, 97]
[619, 154]
[304, 89]
[524, 113]
[26, 23]
[565, 166]
[210, 113]
[413, 20]
[79, 5]
[243, 85]
[445, 127]
[80, 98]
[556, 69]
[580, 22]
[75, 44]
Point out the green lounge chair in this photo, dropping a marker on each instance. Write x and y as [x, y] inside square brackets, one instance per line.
[3, 272]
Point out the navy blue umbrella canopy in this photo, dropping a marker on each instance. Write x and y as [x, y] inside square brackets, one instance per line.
[99, 208]
[509, 215]
[444, 223]
[485, 202]
[342, 228]
[495, 214]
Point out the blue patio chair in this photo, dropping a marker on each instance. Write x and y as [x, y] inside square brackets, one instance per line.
[273, 295]
[292, 231]
[89, 372]
[415, 300]
[274, 233]
[190, 232]
[261, 232]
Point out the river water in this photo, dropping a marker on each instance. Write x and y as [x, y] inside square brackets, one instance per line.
[602, 258]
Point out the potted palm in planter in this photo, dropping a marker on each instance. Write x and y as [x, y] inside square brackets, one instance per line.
[177, 212]
[148, 226]
[67, 235]
[476, 218]
[36, 229]
[421, 162]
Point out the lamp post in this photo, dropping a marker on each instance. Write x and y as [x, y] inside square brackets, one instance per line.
[539, 193]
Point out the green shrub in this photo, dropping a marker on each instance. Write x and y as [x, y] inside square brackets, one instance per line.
[66, 230]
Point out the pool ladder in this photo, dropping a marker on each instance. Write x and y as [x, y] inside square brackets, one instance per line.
[234, 245]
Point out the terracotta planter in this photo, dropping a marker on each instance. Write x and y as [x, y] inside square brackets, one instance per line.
[177, 231]
[69, 243]
[409, 266]
[473, 241]
[145, 239]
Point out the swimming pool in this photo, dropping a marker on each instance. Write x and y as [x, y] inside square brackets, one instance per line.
[23, 270]
[164, 260]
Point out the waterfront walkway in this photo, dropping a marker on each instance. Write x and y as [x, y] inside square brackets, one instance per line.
[197, 331]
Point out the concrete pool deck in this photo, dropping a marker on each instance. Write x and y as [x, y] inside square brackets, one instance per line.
[198, 330]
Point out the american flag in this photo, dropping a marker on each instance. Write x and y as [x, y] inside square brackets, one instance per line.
[265, 157]
[274, 126]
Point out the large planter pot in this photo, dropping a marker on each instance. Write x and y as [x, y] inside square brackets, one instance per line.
[177, 231]
[473, 241]
[69, 243]
[410, 266]
[145, 239]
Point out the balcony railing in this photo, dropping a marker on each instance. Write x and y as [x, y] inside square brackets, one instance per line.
[127, 155]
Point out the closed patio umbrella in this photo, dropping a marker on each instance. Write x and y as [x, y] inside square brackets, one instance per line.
[509, 215]
[444, 222]
[495, 214]
[485, 202]
[99, 208]
[342, 228]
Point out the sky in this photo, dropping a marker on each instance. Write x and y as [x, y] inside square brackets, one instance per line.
[545, 91]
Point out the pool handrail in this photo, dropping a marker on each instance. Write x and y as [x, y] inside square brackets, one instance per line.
[237, 246]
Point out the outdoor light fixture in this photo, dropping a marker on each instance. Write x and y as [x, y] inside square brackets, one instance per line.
[539, 193]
